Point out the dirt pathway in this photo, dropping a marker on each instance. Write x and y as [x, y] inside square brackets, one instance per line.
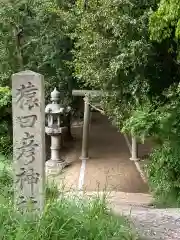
[108, 167]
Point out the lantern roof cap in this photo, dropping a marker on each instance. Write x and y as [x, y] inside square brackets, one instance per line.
[55, 95]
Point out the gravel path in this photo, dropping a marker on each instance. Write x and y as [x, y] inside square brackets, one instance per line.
[154, 224]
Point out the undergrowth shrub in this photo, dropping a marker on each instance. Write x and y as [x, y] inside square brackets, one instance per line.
[143, 123]
[6, 181]
[164, 173]
[160, 121]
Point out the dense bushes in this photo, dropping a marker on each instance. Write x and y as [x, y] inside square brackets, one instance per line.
[164, 169]
[5, 121]
[165, 22]
[161, 122]
[164, 173]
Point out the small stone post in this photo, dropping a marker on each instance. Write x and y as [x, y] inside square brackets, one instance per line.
[134, 152]
[85, 141]
[28, 140]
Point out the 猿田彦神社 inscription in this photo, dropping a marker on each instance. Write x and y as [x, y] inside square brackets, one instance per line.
[31, 202]
[28, 176]
[27, 149]
[26, 95]
[27, 121]
[28, 139]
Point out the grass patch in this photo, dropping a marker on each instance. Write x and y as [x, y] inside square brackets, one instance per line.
[169, 201]
[66, 220]
[64, 217]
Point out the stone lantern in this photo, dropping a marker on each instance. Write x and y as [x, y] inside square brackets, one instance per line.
[55, 127]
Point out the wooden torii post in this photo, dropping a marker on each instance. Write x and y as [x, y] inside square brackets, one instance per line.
[85, 141]
[134, 149]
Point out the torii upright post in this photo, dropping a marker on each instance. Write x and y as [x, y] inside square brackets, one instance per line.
[85, 140]
[134, 150]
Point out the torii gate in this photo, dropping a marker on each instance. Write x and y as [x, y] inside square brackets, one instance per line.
[133, 146]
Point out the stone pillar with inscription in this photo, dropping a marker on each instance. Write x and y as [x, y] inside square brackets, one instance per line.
[28, 140]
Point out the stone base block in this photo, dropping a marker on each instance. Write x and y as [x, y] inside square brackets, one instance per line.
[83, 158]
[135, 159]
[55, 167]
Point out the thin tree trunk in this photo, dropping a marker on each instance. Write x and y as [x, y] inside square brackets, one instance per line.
[85, 4]
[18, 38]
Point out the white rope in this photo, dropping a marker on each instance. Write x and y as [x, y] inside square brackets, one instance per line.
[86, 100]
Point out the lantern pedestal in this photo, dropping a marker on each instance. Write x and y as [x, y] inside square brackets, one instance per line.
[56, 163]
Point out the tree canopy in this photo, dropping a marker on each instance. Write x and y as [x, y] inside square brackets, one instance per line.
[113, 52]
[34, 35]
[165, 24]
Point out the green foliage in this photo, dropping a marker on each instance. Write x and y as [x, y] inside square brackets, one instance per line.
[106, 45]
[6, 180]
[161, 121]
[111, 52]
[5, 121]
[34, 35]
[164, 173]
[67, 217]
[165, 25]
[64, 220]
[114, 54]
[52, 191]
[144, 122]
[165, 21]
[5, 101]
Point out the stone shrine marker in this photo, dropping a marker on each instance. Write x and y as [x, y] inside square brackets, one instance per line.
[28, 140]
